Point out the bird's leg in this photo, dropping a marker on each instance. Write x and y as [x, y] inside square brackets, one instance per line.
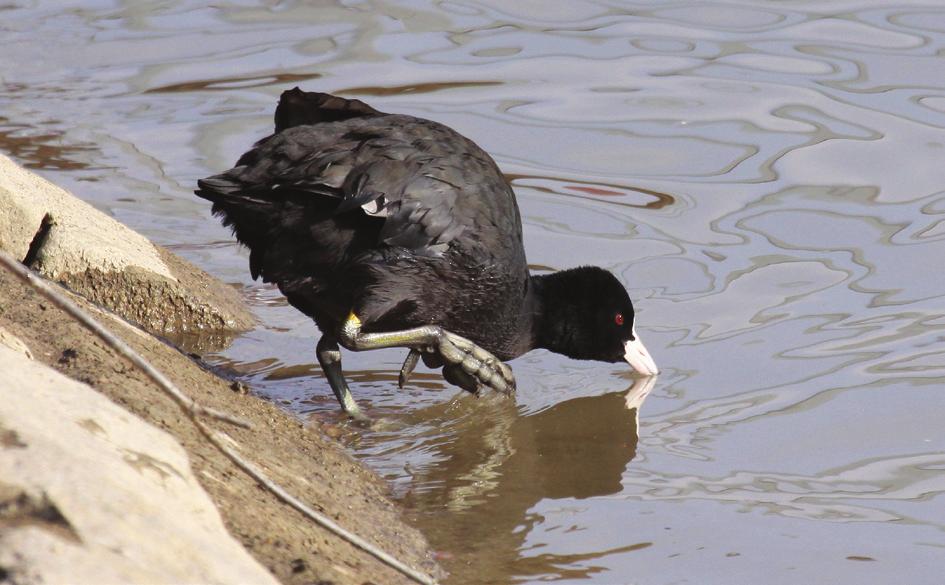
[431, 360]
[409, 364]
[453, 373]
[466, 364]
[329, 357]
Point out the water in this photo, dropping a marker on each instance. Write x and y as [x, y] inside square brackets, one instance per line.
[765, 177]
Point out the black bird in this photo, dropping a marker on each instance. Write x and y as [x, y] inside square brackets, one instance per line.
[395, 231]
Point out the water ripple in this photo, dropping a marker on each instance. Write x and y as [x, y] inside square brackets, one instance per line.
[765, 177]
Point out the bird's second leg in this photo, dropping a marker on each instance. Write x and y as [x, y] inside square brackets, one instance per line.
[409, 364]
[466, 364]
[329, 357]
[453, 373]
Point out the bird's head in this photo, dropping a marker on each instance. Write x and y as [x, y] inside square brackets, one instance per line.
[587, 314]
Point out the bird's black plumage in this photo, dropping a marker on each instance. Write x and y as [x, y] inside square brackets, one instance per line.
[406, 223]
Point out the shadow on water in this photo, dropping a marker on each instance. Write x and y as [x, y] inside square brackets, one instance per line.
[229, 83]
[497, 464]
[37, 149]
[413, 88]
[581, 189]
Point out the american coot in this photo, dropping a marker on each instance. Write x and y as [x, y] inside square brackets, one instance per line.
[395, 231]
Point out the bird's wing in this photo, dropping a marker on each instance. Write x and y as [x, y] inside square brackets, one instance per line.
[426, 182]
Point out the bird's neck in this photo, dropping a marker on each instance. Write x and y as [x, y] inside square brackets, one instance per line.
[549, 312]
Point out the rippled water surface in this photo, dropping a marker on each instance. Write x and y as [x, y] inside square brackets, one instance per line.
[765, 177]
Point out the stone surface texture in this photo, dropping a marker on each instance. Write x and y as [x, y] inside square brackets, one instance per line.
[15, 343]
[67, 240]
[90, 493]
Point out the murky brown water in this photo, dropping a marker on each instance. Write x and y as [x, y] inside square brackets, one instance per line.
[766, 177]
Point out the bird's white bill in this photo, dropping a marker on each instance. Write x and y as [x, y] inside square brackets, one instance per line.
[638, 357]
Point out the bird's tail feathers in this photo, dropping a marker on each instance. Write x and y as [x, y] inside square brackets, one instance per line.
[298, 108]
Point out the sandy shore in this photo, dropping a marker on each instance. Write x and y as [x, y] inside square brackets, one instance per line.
[309, 465]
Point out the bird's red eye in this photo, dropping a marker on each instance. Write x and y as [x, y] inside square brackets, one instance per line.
[618, 318]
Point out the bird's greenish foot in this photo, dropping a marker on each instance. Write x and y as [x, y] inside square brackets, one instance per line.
[464, 363]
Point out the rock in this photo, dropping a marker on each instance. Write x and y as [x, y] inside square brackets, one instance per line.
[68, 240]
[13, 342]
[89, 493]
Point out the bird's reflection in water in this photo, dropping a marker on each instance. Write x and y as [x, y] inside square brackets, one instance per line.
[475, 503]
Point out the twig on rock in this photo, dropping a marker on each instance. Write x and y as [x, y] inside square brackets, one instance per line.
[187, 404]
[194, 410]
[221, 440]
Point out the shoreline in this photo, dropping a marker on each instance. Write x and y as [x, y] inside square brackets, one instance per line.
[308, 464]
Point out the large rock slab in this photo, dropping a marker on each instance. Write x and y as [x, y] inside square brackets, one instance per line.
[67, 240]
[90, 493]
[298, 457]
[13, 342]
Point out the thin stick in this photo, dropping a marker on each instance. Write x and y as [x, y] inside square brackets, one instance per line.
[193, 410]
[220, 441]
[187, 404]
